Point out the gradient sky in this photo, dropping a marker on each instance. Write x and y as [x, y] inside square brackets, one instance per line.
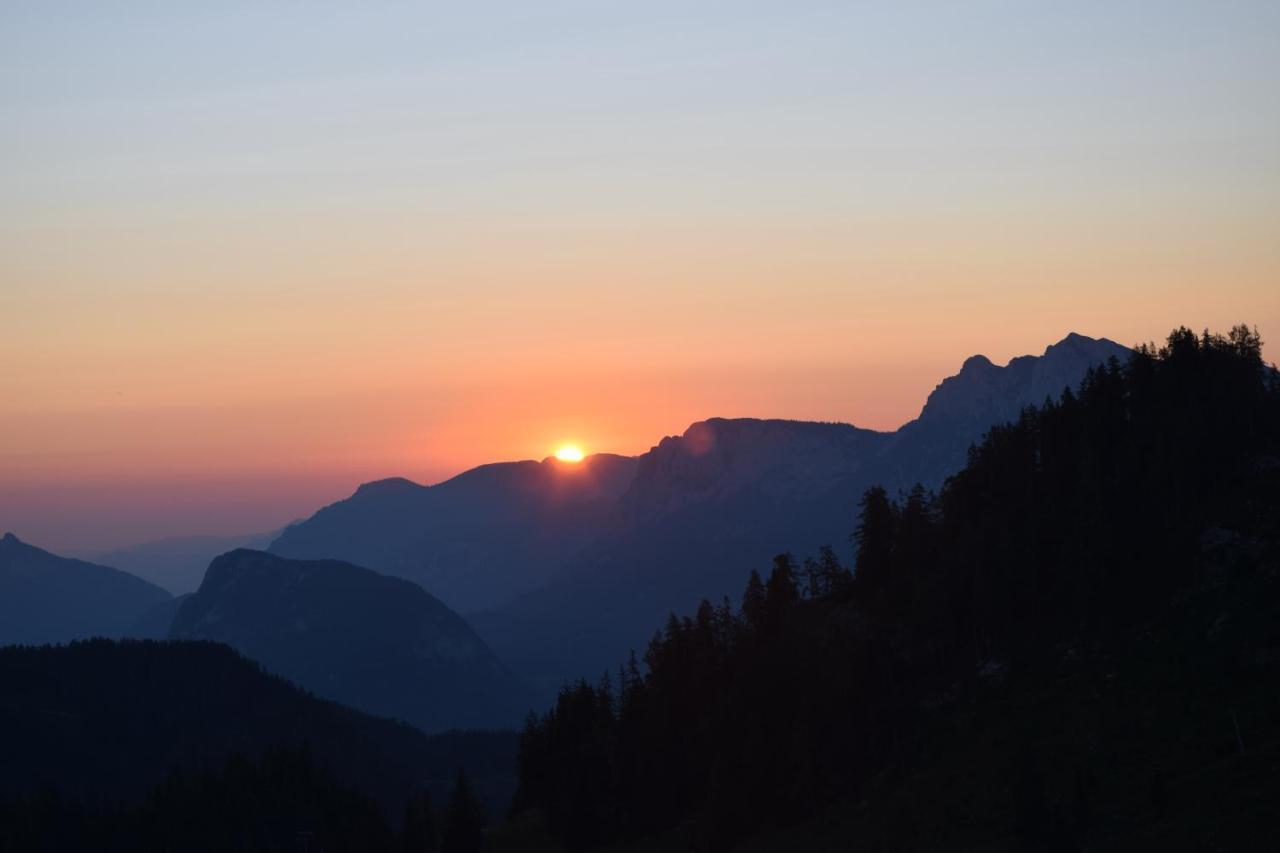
[254, 254]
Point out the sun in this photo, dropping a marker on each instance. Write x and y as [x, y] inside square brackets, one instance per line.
[569, 453]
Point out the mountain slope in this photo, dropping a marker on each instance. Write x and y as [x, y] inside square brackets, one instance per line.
[45, 598]
[177, 564]
[563, 588]
[725, 494]
[730, 494]
[377, 643]
[102, 721]
[489, 533]
[1072, 647]
[964, 406]
[156, 622]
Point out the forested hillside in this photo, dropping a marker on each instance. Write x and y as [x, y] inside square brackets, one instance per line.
[94, 731]
[1072, 646]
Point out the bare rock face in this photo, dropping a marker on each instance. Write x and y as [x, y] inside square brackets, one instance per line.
[984, 394]
[964, 406]
[718, 457]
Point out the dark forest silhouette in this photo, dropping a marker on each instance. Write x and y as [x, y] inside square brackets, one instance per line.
[1079, 627]
[281, 802]
[1070, 646]
[95, 728]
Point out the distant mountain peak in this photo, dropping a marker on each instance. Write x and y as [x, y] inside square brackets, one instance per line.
[388, 486]
[976, 362]
[382, 644]
[983, 390]
[47, 598]
[1084, 345]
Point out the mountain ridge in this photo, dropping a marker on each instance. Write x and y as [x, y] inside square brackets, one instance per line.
[559, 596]
[377, 643]
[47, 598]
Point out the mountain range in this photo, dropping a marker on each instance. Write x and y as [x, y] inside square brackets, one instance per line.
[563, 568]
[490, 532]
[560, 568]
[376, 643]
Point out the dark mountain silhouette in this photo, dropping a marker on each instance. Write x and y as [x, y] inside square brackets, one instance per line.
[178, 563]
[45, 598]
[377, 643]
[730, 493]
[101, 724]
[561, 573]
[487, 534]
[963, 407]
[702, 505]
[1072, 646]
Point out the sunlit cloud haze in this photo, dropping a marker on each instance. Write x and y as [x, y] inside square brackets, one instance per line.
[254, 254]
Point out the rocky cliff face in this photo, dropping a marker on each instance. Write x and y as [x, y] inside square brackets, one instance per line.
[719, 457]
[964, 406]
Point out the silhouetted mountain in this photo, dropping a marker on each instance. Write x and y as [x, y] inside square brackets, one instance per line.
[561, 573]
[963, 407]
[377, 643]
[1072, 646]
[103, 723]
[475, 540]
[177, 564]
[45, 598]
[731, 493]
[727, 493]
[719, 459]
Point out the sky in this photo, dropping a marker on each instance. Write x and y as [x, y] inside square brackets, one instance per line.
[253, 254]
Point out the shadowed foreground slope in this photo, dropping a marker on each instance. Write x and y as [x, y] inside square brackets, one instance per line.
[1072, 647]
[101, 724]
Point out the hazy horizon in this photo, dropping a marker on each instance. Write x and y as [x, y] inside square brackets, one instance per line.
[251, 257]
[113, 513]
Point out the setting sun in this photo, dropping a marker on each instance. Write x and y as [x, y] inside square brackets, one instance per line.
[569, 453]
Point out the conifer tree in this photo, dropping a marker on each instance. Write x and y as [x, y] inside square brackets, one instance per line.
[754, 602]
[874, 537]
[463, 820]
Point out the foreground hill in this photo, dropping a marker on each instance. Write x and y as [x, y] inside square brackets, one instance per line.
[45, 598]
[101, 724]
[379, 644]
[1073, 646]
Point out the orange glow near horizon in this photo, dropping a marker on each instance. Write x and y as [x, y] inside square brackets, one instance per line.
[569, 453]
[377, 241]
